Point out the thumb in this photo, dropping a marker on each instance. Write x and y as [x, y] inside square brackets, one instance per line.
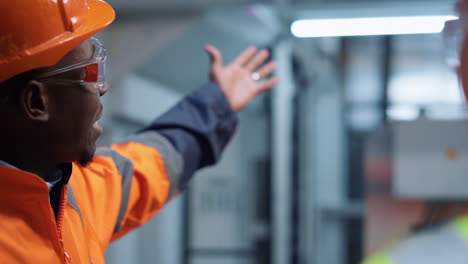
[215, 56]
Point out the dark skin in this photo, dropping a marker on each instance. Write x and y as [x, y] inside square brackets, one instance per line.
[51, 123]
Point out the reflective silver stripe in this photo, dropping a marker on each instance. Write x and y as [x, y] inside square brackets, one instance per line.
[439, 246]
[125, 169]
[71, 200]
[173, 161]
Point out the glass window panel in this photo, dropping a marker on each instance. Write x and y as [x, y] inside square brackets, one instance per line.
[362, 75]
[421, 79]
[364, 117]
[403, 112]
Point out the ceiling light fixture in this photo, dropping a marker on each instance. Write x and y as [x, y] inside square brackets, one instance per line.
[309, 28]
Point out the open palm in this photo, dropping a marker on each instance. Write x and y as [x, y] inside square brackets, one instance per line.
[235, 79]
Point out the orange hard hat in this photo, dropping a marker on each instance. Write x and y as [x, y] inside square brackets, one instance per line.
[38, 33]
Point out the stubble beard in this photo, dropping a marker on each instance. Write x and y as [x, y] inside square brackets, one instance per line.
[86, 159]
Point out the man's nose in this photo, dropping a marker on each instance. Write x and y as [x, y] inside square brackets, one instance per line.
[104, 89]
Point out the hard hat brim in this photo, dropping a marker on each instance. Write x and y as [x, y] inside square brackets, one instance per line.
[100, 15]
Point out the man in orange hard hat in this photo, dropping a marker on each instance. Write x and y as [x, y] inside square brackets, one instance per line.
[61, 201]
[447, 242]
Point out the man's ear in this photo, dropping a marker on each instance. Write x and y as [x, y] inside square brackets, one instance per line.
[34, 101]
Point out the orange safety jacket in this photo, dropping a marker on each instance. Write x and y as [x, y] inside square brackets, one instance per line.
[123, 187]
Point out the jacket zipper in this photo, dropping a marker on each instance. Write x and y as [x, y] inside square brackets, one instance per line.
[61, 213]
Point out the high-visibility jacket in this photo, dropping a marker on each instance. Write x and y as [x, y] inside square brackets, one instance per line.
[123, 187]
[443, 245]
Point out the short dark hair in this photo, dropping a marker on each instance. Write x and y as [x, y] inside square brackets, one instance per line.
[11, 88]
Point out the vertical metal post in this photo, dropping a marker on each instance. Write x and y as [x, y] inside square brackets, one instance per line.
[322, 160]
[330, 166]
[307, 199]
[282, 100]
[386, 66]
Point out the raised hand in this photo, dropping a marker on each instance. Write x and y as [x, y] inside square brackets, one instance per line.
[240, 79]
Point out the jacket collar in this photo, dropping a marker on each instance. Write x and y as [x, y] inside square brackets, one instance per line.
[23, 185]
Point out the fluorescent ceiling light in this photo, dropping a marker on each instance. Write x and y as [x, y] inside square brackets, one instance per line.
[369, 26]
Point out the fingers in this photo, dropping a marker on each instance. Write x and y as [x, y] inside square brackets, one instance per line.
[257, 60]
[245, 56]
[266, 70]
[267, 85]
[215, 56]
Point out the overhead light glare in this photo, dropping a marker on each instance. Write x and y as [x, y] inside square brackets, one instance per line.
[311, 28]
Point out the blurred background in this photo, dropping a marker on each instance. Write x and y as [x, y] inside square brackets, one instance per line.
[344, 157]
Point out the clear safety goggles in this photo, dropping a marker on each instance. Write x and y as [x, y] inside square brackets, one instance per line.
[94, 69]
[452, 40]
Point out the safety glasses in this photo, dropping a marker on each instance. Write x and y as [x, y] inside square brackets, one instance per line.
[452, 37]
[94, 69]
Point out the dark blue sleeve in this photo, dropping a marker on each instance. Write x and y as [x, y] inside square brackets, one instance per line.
[199, 127]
